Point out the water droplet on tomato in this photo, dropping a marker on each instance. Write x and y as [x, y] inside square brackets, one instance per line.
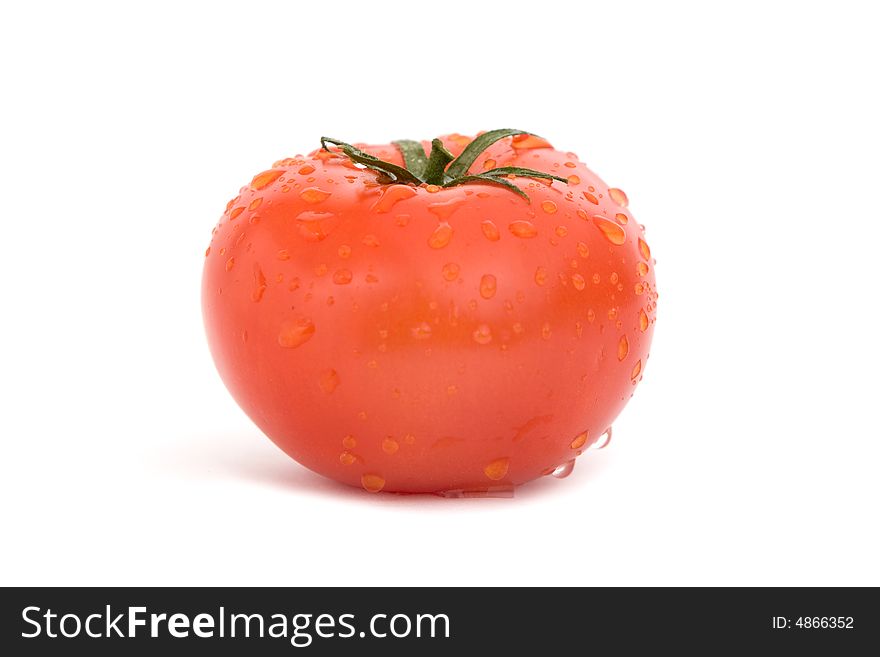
[349, 442]
[622, 348]
[373, 483]
[392, 195]
[370, 240]
[489, 164]
[580, 440]
[642, 269]
[524, 229]
[497, 469]
[253, 205]
[636, 370]
[562, 471]
[621, 218]
[230, 264]
[549, 207]
[612, 232]
[592, 199]
[490, 231]
[618, 196]
[315, 226]
[482, 334]
[451, 271]
[602, 441]
[445, 209]
[574, 180]
[540, 276]
[389, 445]
[295, 332]
[546, 331]
[314, 195]
[347, 458]
[259, 284]
[342, 276]
[422, 331]
[525, 142]
[643, 321]
[432, 189]
[344, 251]
[328, 381]
[578, 282]
[488, 286]
[441, 236]
[306, 169]
[266, 178]
[644, 249]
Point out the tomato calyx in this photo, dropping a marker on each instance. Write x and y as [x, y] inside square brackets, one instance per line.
[441, 167]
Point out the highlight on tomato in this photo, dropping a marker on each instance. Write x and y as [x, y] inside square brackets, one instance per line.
[457, 316]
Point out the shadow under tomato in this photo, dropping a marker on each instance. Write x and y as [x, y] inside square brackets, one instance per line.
[237, 457]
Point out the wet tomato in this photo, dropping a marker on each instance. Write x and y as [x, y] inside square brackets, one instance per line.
[459, 321]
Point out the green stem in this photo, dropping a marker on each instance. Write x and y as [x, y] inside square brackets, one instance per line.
[441, 167]
[437, 161]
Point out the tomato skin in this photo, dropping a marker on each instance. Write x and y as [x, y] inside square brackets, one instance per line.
[388, 337]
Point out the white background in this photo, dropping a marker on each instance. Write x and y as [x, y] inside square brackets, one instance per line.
[747, 139]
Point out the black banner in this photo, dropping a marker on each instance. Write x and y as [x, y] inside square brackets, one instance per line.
[435, 621]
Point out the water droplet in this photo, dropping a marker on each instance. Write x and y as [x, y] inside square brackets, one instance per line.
[370, 240]
[422, 331]
[618, 197]
[402, 220]
[642, 269]
[306, 169]
[328, 382]
[602, 441]
[230, 264]
[545, 331]
[497, 469]
[347, 458]
[592, 199]
[525, 142]
[237, 211]
[540, 276]
[583, 250]
[451, 271]
[580, 440]
[432, 189]
[644, 249]
[578, 282]
[524, 229]
[596, 278]
[445, 209]
[643, 321]
[622, 348]
[549, 207]
[570, 165]
[371, 278]
[490, 231]
[488, 286]
[639, 288]
[207, 251]
[253, 205]
[266, 178]
[259, 284]
[315, 226]
[483, 334]
[591, 315]
[612, 232]
[574, 180]
[489, 164]
[389, 445]
[441, 236]
[314, 195]
[295, 332]
[393, 195]
[561, 231]
[342, 276]
[562, 471]
[583, 215]
[349, 442]
[636, 370]
[373, 483]
[621, 218]
[614, 278]
[344, 251]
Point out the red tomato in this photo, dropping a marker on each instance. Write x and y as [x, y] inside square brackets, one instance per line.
[420, 338]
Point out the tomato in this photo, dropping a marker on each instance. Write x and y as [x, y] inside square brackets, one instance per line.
[411, 337]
